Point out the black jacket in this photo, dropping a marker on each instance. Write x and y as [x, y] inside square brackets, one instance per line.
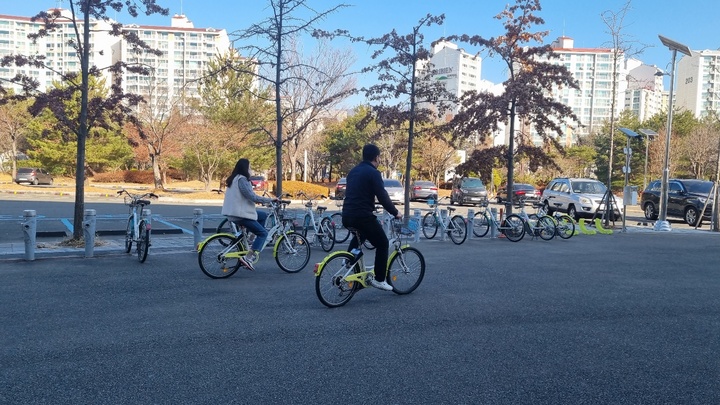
[364, 183]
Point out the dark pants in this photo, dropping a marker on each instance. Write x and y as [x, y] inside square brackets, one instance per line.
[371, 230]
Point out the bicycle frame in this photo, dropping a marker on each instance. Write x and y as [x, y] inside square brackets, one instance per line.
[241, 236]
[445, 223]
[362, 276]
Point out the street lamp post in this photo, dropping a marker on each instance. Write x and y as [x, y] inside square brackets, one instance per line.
[662, 223]
[627, 192]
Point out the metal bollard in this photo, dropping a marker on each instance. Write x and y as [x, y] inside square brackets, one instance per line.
[417, 217]
[89, 231]
[197, 226]
[471, 223]
[443, 217]
[29, 226]
[493, 228]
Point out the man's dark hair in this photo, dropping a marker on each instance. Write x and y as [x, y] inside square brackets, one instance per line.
[370, 152]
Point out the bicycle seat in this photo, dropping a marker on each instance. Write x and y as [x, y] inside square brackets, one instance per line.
[143, 202]
[321, 209]
[308, 204]
[451, 209]
[285, 201]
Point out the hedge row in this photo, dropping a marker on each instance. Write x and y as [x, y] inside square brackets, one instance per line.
[133, 176]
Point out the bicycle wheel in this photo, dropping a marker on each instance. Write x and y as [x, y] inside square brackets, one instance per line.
[341, 233]
[481, 224]
[565, 226]
[546, 227]
[292, 252]
[212, 260]
[429, 225]
[129, 235]
[406, 270]
[143, 241]
[513, 227]
[458, 231]
[327, 239]
[224, 227]
[330, 286]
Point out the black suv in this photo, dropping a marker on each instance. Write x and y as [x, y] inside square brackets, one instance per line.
[686, 199]
[468, 190]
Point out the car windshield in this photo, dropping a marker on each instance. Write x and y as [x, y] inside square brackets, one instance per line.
[392, 183]
[424, 184]
[342, 181]
[588, 187]
[257, 178]
[473, 183]
[24, 170]
[523, 187]
[699, 187]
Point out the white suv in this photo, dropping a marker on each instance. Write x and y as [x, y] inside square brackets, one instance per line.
[578, 197]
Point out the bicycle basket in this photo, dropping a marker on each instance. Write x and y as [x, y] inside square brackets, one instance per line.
[408, 230]
[431, 202]
[339, 202]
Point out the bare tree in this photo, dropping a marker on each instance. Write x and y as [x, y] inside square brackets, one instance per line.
[267, 46]
[435, 156]
[14, 118]
[319, 83]
[622, 47]
[158, 120]
[98, 112]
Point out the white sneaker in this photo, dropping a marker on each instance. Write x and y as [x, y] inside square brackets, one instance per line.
[245, 261]
[383, 285]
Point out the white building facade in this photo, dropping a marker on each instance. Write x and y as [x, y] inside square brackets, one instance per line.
[597, 71]
[186, 52]
[644, 95]
[697, 87]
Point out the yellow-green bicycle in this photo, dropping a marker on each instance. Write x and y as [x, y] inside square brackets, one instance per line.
[341, 274]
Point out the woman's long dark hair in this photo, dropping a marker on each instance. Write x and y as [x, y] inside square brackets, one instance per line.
[242, 167]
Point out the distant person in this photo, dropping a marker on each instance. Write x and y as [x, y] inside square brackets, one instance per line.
[239, 208]
[364, 184]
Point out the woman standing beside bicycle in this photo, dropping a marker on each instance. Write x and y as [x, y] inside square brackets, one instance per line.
[239, 207]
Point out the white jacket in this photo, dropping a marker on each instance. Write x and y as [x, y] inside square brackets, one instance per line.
[240, 199]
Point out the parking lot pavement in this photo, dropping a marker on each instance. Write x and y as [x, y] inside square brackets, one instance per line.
[622, 318]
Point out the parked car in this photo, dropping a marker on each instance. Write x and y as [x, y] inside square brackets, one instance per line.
[33, 176]
[686, 199]
[259, 183]
[422, 189]
[395, 190]
[468, 190]
[340, 188]
[520, 190]
[578, 198]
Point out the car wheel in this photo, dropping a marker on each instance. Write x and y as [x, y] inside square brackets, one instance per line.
[691, 216]
[35, 182]
[650, 211]
[51, 181]
[572, 212]
[546, 207]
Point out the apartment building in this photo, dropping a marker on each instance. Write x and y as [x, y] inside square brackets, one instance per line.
[458, 70]
[186, 53]
[697, 79]
[597, 71]
[644, 95]
[59, 56]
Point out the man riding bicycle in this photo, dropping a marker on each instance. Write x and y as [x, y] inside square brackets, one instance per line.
[364, 184]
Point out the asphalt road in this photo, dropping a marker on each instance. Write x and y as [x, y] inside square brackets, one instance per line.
[625, 318]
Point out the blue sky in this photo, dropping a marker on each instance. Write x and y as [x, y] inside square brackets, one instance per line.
[692, 22]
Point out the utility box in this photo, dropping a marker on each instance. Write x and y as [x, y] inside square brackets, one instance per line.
[630, 195]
